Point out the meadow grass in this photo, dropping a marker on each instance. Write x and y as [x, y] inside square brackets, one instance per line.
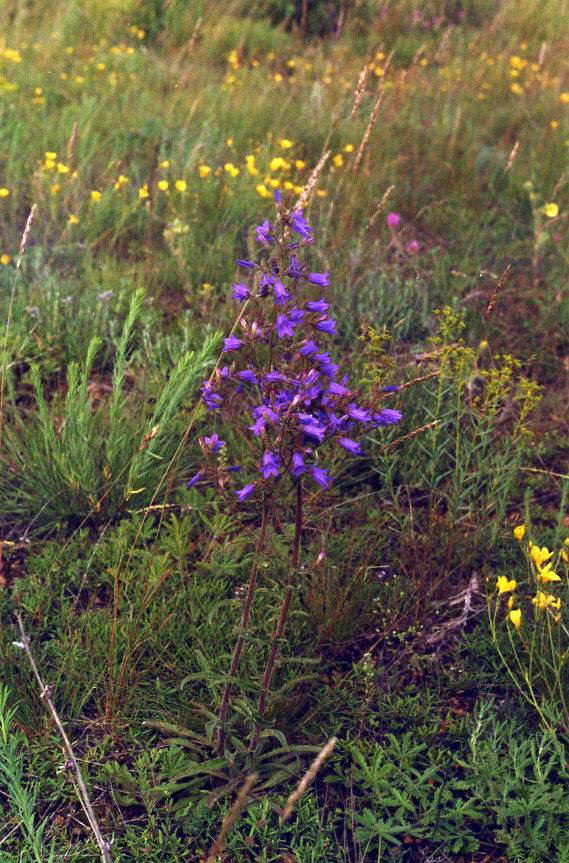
[151, 138]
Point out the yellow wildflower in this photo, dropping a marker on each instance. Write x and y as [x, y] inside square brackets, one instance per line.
[229, 142]
[338, 160]
[546, 574]
[554, 124]
[230, 169]
[54, 188]
[204, 171]
[505, 586]
[274, 183]
[544, 601]
[349, 148]
[277, 78]
[299, 165]
[181, 185]
[262, 191]
[551, 210]
[5, 260]
[288, 185]
[62, 169]
[515, 617]
[564, 97]
[143, 192]
[72, 219]
[516, 89]
[4, 193]
[540, 555]
[277, 164]
[285, 143]
[163, 185]
[165, 163]
[519, 532]
[95, 196]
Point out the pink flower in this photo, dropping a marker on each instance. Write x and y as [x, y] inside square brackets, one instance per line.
[393, 220]
[412, 248]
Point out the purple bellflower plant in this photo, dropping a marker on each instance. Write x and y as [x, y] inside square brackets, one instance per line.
[282, 390]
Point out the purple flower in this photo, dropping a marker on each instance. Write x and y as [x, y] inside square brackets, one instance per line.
[248, 376]
[278, 197]
[241, 291]
[319, 306]
[271, 464]
[273, 377]
[284, 326]
[249, 265]
[246, 491]
[232, 344]
[212, 399]
[358, 414]
[320, 476]
[350, 445]
[213, 443]
[393, 220]
[281, 293]
[390, 389]
[300, 225]
[322, 279]
[314, 429]
[337, 389]
[298, 466]
[264, 232]
[296, 315]
[327, 367]
[195, 479]
[326, 325]
[387, 417]
[310, 347]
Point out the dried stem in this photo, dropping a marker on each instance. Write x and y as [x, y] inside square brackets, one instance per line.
[45, 694]
[243, 627]
[307, 779]
[277, 635]
[368, 131]
[231, 817]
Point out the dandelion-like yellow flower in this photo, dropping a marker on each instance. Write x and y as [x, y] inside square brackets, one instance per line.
[165, 163]
[286, 144]
[4, 193]
[277, 164]
[551, 210]
[338, 160]
[516, 89]
[96, 196]
[5, 260]
[62, 169]
[120, 182]
[515, 617]
[349, 148]
[181, 185]
[230, 169]
[72, 219]
[163, 185]
[204, 171]
[546, 574]
[540, 555]
[519, 532]
[262, 190]
[143, 192]
[505, 586]
[564, 98]
[300, 165]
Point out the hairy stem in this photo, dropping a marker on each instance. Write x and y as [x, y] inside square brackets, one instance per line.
[279, 629]
[243, 627]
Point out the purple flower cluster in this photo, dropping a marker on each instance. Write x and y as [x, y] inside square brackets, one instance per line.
[279, 384]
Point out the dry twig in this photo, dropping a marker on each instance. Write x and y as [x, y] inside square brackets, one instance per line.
[78, 782]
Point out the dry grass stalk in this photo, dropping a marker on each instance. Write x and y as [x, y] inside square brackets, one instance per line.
[71, 143]
[307, 779]
[368, 131]
[238, 806]
[359, 91]
[542, 53]
[25, 236]
[71, 763]
[512, 156]
[411, 434]
[379, 208]
[311, 183]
